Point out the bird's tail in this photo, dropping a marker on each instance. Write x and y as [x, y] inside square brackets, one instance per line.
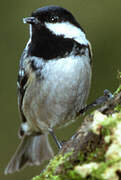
[33, 150]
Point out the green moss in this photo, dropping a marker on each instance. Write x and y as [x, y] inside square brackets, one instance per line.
[72, 175]
[36, 178]
[50, 172]
[98, 173]
[80, 157]
[118, 90]
[101, 170]
[67, 169]
[111, 121]
[118, 108]
[97, 155]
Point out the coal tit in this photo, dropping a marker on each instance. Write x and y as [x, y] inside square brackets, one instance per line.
[53, 81]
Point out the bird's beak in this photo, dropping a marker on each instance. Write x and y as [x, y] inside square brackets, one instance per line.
[30, 20]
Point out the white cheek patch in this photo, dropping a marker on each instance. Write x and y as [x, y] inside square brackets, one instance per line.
[68, 31]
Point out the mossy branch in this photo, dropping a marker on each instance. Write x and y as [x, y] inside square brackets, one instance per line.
[94, 152]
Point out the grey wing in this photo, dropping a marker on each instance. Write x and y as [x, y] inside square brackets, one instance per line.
[23, 77]
[21, 84]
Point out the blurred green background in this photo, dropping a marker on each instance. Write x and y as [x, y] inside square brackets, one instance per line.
[101, 19]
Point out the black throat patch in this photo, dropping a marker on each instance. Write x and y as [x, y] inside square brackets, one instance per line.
[46, 45]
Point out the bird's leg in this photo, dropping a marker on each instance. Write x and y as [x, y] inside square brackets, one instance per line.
[55, 139]
[102, 99]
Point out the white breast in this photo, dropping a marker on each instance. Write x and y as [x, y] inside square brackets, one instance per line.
[63, 91]
[67, 84]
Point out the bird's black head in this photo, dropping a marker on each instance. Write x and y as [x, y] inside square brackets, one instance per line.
[51, 14]
[53, 32]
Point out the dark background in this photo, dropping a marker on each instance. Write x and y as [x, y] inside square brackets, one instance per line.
[102, 23]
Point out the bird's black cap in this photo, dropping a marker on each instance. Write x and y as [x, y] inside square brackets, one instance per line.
[54, 14]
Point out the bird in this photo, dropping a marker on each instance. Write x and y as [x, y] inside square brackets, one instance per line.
[54, 80]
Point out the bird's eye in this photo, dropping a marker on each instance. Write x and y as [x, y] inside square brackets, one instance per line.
[54, 19]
